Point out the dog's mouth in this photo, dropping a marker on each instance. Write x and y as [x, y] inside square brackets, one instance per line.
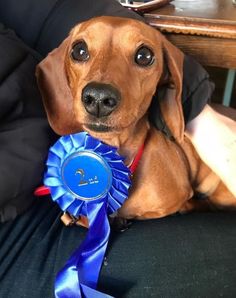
[98, 127]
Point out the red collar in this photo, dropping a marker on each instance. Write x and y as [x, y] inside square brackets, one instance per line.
[44, 190]
[136, 160]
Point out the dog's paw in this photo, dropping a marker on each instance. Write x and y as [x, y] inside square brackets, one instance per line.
[120, 224]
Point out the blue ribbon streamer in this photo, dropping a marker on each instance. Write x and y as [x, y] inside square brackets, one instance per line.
[79, 276]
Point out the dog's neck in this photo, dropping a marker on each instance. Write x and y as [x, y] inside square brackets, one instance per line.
[129, 140]
[134, 140]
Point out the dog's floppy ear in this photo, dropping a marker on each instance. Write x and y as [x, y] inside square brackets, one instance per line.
[170, 97]
[55, 91]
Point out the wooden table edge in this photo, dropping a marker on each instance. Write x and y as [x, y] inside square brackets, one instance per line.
[192, 26]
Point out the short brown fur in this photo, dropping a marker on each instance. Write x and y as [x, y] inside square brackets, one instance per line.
[170, 171]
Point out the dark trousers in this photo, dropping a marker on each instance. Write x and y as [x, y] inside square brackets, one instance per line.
[178, 256]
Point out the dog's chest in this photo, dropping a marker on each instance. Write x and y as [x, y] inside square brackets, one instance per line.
[161, 183]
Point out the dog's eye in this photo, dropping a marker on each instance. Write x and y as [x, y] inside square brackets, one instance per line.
[80, 52]
[144, 57]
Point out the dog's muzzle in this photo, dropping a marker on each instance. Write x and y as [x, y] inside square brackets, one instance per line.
[99, 99]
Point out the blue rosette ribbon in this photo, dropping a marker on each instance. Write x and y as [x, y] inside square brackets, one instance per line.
[86, 178]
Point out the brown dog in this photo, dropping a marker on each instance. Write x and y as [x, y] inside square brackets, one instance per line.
[102, 80]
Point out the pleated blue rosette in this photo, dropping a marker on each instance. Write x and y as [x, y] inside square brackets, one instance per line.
[89, 178]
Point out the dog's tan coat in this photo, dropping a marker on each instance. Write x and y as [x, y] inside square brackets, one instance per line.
[170, 172]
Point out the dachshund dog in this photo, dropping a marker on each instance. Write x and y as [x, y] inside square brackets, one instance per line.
[102, 80]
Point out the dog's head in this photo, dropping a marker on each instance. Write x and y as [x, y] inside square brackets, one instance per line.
[103, 76]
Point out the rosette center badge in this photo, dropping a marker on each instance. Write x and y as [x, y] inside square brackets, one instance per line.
[86, 175]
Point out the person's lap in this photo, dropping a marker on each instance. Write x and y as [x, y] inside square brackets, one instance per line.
[176, 256]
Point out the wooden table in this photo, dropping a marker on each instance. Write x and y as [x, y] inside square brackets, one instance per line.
[205, 29]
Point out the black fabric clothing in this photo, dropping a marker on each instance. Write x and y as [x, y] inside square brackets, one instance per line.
[43, 25]
[24, 131]
[197, 88]
[178, 256]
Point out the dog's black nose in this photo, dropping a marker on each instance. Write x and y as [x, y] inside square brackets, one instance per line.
[99, 99]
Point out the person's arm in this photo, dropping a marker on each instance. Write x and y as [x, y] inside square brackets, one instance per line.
[214, 137]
